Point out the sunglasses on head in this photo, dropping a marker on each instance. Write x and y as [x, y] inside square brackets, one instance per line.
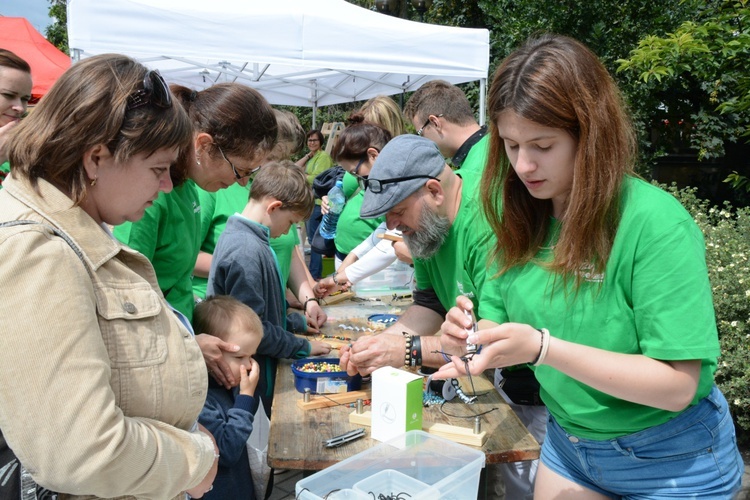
[155, 91]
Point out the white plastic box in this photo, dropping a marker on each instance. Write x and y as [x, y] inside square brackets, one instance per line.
[426, 468]
[396, 278]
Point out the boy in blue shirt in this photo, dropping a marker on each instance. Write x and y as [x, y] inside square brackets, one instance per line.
[227, 413]
[245, 266]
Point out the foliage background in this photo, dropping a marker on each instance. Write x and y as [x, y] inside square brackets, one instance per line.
[727, 233]
[684, 69]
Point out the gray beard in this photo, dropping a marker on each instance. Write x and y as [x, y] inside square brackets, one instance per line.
[424, 242]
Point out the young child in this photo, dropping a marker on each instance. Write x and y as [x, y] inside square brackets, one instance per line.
[245, 267]
[228, 413]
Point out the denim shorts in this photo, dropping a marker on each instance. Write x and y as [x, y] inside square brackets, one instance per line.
[694, 455]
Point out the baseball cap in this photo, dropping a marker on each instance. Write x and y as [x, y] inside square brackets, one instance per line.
[406, 156]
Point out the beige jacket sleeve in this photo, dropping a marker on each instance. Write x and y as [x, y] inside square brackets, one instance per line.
[60, 408]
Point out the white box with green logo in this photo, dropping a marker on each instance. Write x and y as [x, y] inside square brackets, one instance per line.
[396, 403]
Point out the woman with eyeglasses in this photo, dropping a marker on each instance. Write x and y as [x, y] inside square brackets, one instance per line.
[315, 162]
[103, 382]
[359, 241]
[357, 149]
[234, 128]
[15, 94]
[216, 209]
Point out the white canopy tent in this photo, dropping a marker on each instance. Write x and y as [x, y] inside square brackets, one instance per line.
[295, 52]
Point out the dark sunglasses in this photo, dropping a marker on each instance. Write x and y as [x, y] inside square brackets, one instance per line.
[376, 185]
[155, 91]
[234, 169]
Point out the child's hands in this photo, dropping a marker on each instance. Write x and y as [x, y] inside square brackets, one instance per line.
[249, 378]
[318, 348]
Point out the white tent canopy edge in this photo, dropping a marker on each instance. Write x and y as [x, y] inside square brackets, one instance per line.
[295, 52]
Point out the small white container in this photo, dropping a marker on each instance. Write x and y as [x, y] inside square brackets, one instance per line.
[396, 278]
[391, 483]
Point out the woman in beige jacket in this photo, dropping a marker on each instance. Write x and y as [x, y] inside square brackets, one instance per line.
[102, 382]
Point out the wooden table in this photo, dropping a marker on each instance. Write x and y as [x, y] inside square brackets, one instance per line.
[296, 436]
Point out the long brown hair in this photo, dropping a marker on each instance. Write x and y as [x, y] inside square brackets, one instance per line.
[87, 106]
[239, 119]
[557, 82]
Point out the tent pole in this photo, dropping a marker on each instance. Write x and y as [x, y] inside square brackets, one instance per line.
[482, 100]
[75, 55]
[314, 92]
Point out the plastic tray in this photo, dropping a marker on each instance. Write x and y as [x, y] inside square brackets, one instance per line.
[441, 468]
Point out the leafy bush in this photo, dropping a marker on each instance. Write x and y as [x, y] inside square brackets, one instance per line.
[727, 233]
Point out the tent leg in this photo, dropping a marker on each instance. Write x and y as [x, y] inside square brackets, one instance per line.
[482, 100]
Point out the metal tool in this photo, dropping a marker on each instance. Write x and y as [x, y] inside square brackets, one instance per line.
[471, 348]
[345, 438]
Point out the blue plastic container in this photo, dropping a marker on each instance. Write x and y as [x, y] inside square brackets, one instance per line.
[324, 382]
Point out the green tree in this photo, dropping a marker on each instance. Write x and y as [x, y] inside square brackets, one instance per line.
[57, 32]
[705, 63]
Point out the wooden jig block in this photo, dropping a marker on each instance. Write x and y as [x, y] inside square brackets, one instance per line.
[336, 298]
[455, 433]
[364, 418]
[325, 400]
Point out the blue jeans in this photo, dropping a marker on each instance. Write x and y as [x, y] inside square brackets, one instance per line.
[694, 455]
[316, 259]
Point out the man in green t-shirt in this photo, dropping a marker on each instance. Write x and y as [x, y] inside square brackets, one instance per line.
[441, 112]
[438, 212]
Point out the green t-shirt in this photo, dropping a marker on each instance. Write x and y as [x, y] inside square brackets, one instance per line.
[460, 266]
[216, 208]
[477, 158]
[4, 170]
[653, 299]
[316, 165]
[351, 229]
[169, 236]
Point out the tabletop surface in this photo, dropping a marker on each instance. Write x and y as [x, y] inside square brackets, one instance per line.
[296, 439]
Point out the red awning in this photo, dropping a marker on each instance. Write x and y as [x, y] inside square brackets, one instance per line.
[47, 61]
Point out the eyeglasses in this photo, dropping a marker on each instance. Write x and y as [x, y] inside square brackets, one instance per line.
[427, 122]
[313, 140]
[362, 181]
[359, 164]
[236, 173]
[155, 91]
[376, 185]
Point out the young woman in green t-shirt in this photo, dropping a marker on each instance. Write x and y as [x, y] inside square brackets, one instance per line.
[602, 285]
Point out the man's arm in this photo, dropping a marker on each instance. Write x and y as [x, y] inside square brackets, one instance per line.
[389, 348]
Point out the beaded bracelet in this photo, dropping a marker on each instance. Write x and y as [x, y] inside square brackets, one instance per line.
[407, 356]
